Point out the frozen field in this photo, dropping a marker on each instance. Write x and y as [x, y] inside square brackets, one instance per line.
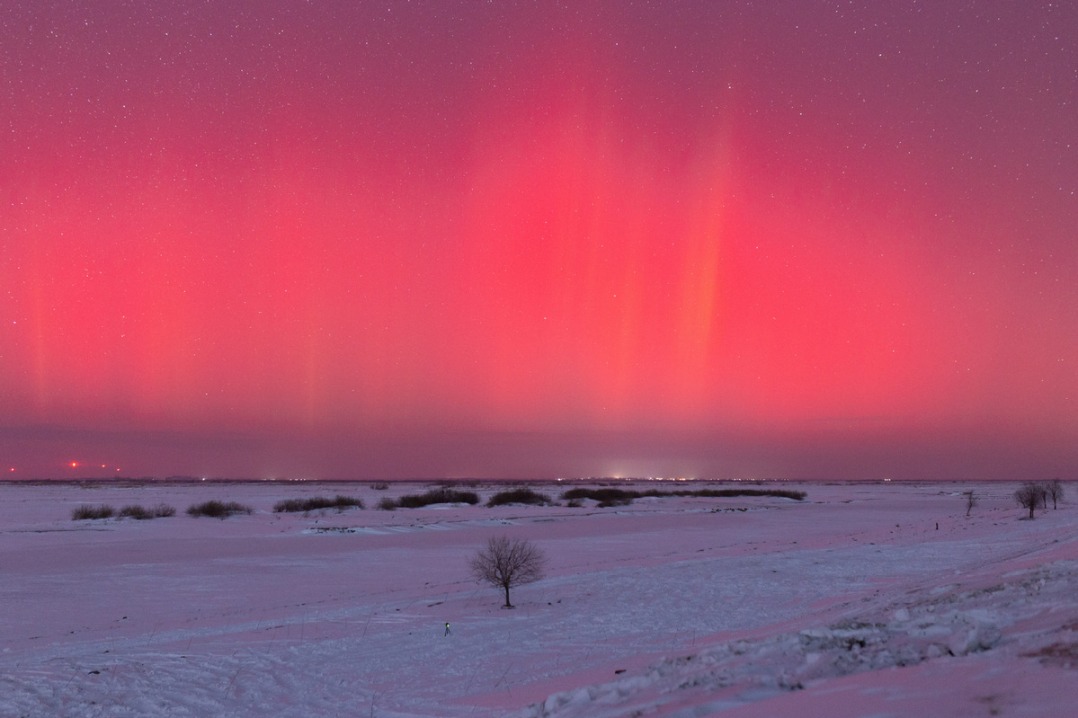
[863, 600]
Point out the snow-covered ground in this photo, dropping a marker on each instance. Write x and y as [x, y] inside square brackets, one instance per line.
[863, 600]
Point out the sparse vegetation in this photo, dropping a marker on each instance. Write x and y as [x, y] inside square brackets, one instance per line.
[89, 513]
[317, 503]
[217, 509]
[518, 496]
[971, 500]
[607, 496]
[387, 504]
[380, 485]
[141, 513]
[506, 563]
[734, 493]
[438, 496]
[621, 497]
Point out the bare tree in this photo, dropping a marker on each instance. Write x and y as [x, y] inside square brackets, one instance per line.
[1054, 489]
[506, 563]
[1029, 495]
[971, 500]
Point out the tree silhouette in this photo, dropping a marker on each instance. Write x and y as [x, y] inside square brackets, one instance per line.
[1054, 489]
[971, 500]
[506, 563]
[1029, 495]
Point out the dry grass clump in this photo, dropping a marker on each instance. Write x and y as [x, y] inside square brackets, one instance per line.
[217, 509]
[90, 513]
[317, 503]
[519, 496]
[141, 513]
[437, 496]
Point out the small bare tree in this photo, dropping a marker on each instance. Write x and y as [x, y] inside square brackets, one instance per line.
[1029, 495]
[971, 500]
[506, 563]
[1054, 489]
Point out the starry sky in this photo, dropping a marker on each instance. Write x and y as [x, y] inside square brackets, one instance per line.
[793, 238]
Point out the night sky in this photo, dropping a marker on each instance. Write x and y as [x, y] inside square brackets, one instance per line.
[782, 238]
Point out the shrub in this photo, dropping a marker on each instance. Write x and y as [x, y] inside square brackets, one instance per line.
[606, 496]
[140, 513]
[290, 505]
[135, 512]
[340, 503]
[217, 509]
[438, 496]
[87, 512]
[346, 502]
[387, 504]
[519, 496]
[380, 486]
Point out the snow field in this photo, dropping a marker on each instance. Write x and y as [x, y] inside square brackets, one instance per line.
[674, 606]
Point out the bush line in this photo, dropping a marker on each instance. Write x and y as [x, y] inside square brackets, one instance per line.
[88, 513]
[434, 496]
[317, 503]
[139, 513]
[217, 509]
[518, 496]
[621, 497]
[605, 496]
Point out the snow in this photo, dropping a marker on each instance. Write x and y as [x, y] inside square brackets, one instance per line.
[850, 603]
